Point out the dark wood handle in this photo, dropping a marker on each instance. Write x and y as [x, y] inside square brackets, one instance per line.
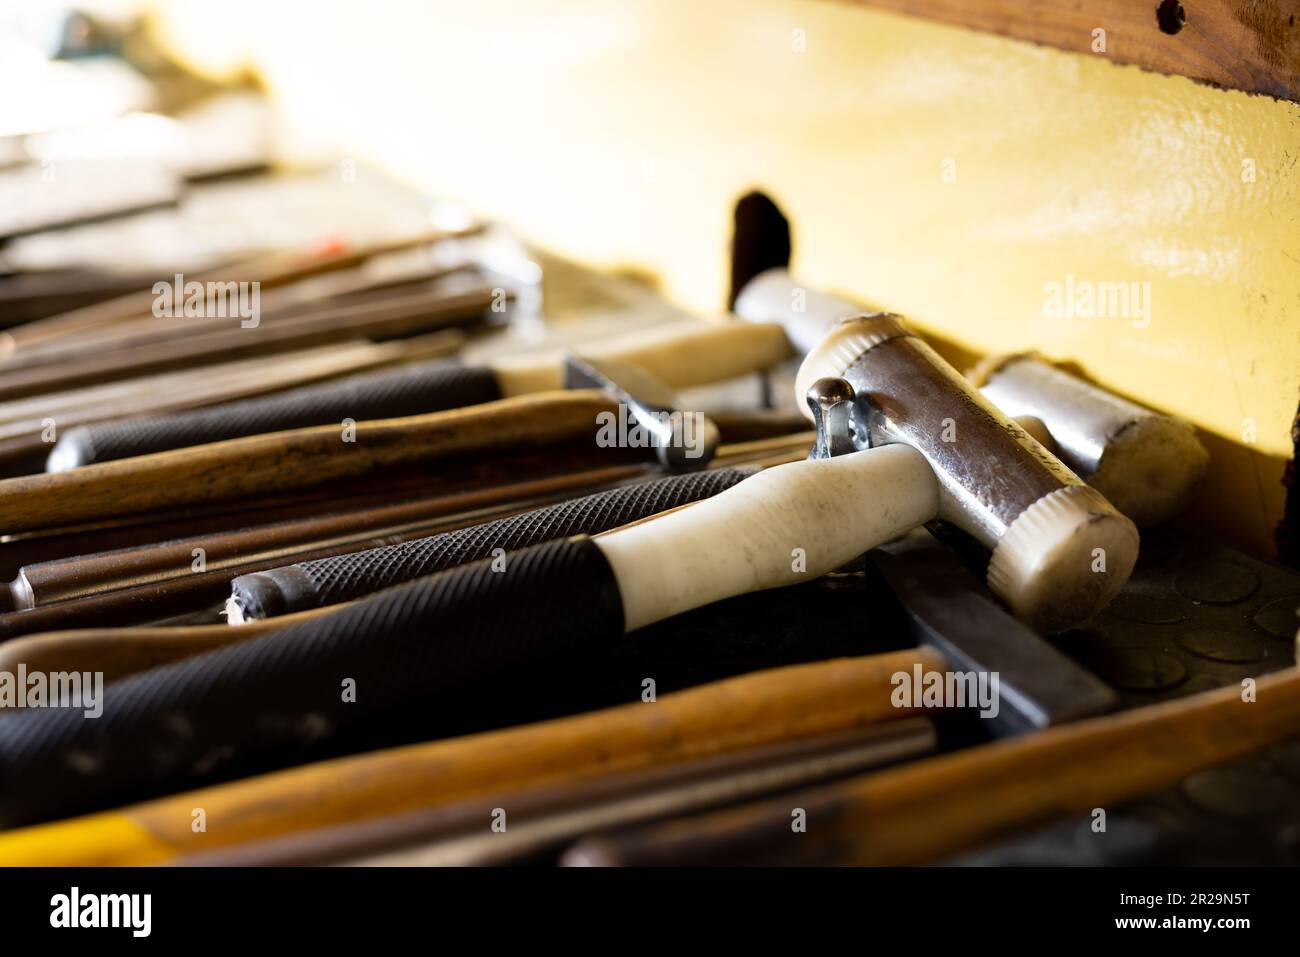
[295, 459]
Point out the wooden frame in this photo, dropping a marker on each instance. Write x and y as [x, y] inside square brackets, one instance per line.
[1250, 45]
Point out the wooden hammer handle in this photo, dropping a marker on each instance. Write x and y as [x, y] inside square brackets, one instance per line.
[934, 809]
[299, 458]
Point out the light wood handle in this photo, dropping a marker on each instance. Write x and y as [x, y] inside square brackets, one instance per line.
[297, 458]
[679, 354]
[931, 810]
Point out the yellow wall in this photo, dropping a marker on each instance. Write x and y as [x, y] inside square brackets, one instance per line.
[619, 133]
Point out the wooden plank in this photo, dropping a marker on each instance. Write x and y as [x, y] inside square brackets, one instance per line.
[1251, 45]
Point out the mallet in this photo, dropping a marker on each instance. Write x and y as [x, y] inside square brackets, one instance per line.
[1060, 550]
[1145, 463]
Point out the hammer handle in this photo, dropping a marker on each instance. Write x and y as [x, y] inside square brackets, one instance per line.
[269, 697]
[25, 375]
[118, 652]
[328, 581]
[925, 812]
[271, 270]
[411, 390]
[678, 354]
[275, 695]
[296, 459]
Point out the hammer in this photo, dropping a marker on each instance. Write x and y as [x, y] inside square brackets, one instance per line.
[1145, 463]
[584, 397]
[678, 355]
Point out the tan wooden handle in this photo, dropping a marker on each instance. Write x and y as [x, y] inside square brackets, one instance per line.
[928, 811]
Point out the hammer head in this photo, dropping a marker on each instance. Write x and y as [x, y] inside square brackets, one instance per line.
[683, 441]
[1061, 551]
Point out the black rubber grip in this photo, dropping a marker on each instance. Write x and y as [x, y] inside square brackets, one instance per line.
[328, 581]
[270, 699]
[388, 393]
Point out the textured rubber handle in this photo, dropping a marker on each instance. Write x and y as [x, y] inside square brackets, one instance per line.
[269, 698]
[328, 581]
[389, 393]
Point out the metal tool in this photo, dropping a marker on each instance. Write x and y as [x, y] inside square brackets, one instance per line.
[270, 697]
[544, 819]
[294, 459]
[1146, 464]
[784, 525]
[304, 585]
[1060, 550]
[949, 610]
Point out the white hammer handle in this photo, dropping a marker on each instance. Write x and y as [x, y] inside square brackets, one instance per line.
[785, 525]
[679, 355]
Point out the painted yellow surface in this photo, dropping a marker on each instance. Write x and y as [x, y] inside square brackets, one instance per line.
[950, 176]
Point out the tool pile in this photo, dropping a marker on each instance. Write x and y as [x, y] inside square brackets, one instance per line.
[428, 547]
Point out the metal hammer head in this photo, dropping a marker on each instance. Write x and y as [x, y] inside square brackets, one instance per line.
[1146, 463]
[683, 441]
[1061, 551]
